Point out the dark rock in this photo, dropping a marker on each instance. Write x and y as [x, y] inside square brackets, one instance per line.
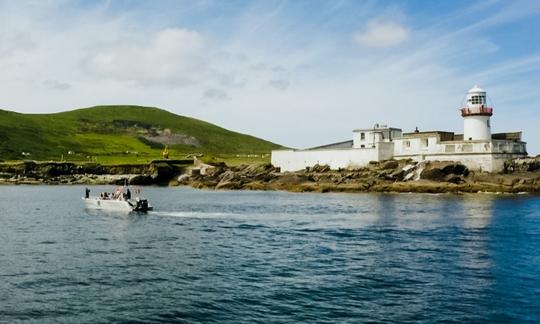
[91, 168]
[53, 169]
[141, 180]
[318, 168]
[161, 172]
[228, 180]
[456, 168]
[390, 165]
[120, 181]
[433, 174]
[522, 165]
[385, 174]
[227, 176]
[397, 175]
[214, 172]
[454, 179]
[441, 171]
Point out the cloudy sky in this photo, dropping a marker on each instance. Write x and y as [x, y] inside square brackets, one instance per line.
[299, 73]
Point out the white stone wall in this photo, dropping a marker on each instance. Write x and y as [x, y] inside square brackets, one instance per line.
[409, 146]
[503, 146]
[369, 139]
[292, 160]
[374, 136]
[477, 162]
[488, 162]
[386, 151]
[476, 155]
[417, 146]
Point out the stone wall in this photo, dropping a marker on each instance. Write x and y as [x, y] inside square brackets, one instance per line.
[292, 160]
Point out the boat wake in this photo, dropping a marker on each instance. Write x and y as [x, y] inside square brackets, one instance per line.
[191, 214]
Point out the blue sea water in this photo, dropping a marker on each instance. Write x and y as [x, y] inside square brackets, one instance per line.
[269, 257]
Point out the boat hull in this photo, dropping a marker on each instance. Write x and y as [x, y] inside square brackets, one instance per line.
[117, 205]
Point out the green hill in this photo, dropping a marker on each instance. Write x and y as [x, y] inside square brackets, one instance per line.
[118, 134]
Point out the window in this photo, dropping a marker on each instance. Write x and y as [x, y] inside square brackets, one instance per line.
[407, 144]
[477, 100]
[488, 125]
[362, 136]
[467, 148]
[362, 146]
[424, 142]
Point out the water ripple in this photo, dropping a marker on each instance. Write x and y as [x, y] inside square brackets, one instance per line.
[260, 257]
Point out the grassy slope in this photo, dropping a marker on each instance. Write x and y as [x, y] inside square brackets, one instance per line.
[91, 132]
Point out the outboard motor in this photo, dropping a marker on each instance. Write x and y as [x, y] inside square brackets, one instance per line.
[142, 205]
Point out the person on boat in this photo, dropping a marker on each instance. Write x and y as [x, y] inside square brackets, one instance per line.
[86, 193]
[117, 193]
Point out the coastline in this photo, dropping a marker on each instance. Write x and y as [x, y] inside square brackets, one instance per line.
[391, 176]
[402, 176]
[157, 172]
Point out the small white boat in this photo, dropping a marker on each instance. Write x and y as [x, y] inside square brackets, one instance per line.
[120, 200]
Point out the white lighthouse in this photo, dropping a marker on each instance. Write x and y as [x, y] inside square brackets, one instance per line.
[476, 116]
[477, 148]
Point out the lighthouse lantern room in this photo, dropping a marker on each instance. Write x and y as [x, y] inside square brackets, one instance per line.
[476, 116]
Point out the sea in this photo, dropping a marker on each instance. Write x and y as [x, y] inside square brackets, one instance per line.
[269, 257]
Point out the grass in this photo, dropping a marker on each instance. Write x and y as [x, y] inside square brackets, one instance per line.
[112, 135]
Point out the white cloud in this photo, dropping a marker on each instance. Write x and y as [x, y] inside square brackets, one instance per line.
[171, 56]
[280, 84]
[12, 44]
[132, 57]
[215, 94]
[56, 85]
[382, 34]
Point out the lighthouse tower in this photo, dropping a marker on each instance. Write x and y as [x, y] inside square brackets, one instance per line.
[476, 116]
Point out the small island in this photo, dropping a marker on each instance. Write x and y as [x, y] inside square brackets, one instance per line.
[120, 144]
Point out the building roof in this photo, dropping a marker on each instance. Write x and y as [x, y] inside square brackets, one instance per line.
[476, 89]
[379, 129]
[338, 145]
[511, 136]
[443, 136]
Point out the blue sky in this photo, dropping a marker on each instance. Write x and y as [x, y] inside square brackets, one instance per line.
[299, 73]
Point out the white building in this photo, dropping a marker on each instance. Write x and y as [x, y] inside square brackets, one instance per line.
[477, 147]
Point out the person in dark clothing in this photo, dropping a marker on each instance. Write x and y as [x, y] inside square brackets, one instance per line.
[87, 193]
[128, 194]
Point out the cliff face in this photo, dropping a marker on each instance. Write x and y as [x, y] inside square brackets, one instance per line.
[390, 176]
[29, 172]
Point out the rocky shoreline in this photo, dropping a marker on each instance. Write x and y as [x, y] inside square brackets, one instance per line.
[519, 176]
[53, 173]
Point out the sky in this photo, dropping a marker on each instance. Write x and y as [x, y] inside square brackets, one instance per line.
[298, 73]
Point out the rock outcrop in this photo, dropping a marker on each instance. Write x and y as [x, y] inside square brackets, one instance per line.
[158, 172]
[521, 175]
[394, 176]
